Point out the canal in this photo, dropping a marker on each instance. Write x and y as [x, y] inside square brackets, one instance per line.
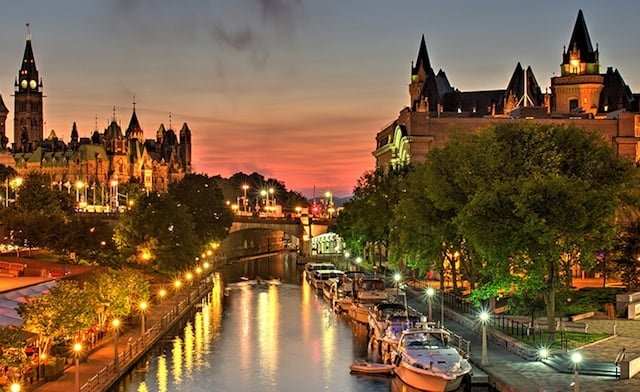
[259, 338]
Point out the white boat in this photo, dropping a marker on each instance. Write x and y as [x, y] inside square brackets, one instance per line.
[318, 277]
[309, 268]
[368, 291]
[425, 360]
[340, 293]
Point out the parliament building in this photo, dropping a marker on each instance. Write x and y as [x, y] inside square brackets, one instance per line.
[99, 159]
[582, 95]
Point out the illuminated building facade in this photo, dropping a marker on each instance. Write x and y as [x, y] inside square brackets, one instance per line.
[601, 102]
[97, 160]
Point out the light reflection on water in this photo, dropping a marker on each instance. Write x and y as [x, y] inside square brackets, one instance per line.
[275, 338]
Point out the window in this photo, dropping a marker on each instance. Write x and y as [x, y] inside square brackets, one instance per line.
[573, 104]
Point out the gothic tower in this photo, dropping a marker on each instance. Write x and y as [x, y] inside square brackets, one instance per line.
[185, 147]
[3, 119]
[28, 119]
[423, 90]
[578, 88]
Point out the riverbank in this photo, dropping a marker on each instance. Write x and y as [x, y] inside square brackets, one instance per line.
[101, 370]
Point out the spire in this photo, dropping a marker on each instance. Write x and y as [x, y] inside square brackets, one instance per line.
[3, 107]
[28, 74]
[134, 130]
[74, 132]
[423, 57]
[134, 102]
[580, 43]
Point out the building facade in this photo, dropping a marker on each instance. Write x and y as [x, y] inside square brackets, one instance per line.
[99, 160]
[581, 95]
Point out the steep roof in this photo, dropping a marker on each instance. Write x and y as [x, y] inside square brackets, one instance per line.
[28, 61]
[423, 57]
[134, 130]
[3, 107]
[581, 41]
[516, 85]
[615, 94]
[442, 82]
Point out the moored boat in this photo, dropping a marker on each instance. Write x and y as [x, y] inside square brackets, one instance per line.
[425, 360]
[368, 291]
[364, 367]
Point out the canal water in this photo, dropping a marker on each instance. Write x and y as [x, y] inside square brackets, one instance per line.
[274, 338]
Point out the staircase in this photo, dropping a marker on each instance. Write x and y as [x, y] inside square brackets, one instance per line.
[562, 363]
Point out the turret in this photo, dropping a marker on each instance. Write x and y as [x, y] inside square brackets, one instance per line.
[28, 100]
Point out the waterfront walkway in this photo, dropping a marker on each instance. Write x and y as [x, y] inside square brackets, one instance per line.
[98, 371]
[509, 372]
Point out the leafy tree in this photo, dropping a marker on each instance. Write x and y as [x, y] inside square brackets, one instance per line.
[626, 255]
[534, 193]
[206, 205]
[425, 236]
[60, 314]
[37, 195]
[158, 232]
[367, 218]
[12, 345]
[116, 293]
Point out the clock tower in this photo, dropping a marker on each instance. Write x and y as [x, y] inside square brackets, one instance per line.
[28, 119]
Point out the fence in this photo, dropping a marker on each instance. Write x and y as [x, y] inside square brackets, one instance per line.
[526, 331]
[136, 348]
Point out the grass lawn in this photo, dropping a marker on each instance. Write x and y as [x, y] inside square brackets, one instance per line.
[569, 339]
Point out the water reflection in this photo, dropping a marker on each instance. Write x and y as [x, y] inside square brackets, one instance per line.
[261, 338]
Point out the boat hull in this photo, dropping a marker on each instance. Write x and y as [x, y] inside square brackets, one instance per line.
[359, 314]
[424, 381]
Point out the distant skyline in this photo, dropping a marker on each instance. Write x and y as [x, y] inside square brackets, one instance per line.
[292, 89]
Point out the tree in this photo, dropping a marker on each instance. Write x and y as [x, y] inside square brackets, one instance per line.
[626, 255]
[205, 202]
[12, 345]
[366, 219]
[424, 237]
[36, 195]
[116, 293]
[158, 232]
[530, 194]
[60, 314]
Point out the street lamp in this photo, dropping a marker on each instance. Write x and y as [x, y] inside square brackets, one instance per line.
[15, 387]
[198, 270]
[397, 277]
[245, 201]
[205, 265]
[115, 323]
[188, 276]
[162, 293]
[143, 309]
[76, 351]
[576, 358]
[177, 283]
[79, 186]
[430, 293]
[543, 353]
[484, 318]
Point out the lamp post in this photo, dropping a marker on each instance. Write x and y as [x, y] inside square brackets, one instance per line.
[143, 309]
[576, 358]
[79, 186]
[115, 323]
[245, 201]
[484, 318]
[397, 277]
[76, 351]
[114, 193]
[15, 387]
[162, 293]
[176, 284]
[430, 293]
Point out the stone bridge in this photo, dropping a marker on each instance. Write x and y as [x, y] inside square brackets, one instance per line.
[302, 228]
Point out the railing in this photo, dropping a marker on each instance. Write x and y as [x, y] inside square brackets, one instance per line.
[459, 303]
[111, 372]
[533, 333]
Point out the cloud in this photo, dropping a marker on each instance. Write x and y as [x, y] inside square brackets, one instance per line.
[281, 13]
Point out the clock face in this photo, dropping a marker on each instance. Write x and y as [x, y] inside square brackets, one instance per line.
[33, 84]
[23, 84]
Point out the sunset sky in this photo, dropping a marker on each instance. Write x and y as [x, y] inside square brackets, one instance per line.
[293, 89]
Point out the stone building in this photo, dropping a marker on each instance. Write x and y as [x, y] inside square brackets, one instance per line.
[98, 160]
[601, 102]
